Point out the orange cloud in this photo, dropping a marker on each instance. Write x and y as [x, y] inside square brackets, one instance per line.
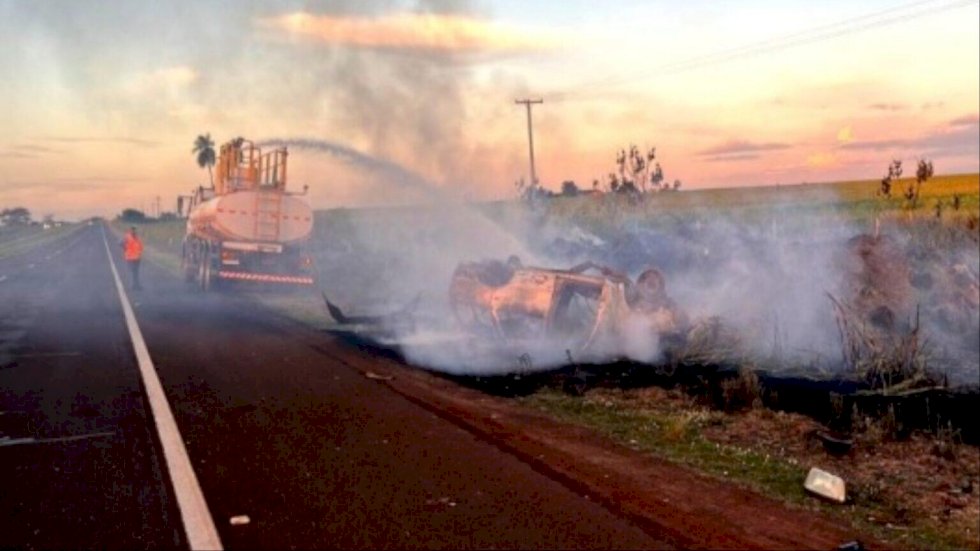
[821, 160]
[169, 78]
[410, 31]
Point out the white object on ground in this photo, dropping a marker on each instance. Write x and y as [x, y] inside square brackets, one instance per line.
[826, 485]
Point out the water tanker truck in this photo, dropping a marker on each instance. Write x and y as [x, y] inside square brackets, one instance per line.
[247, 227]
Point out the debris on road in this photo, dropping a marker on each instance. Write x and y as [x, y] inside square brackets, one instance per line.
[239, 520]
[8, 441]
[376, 377]
[825, 485]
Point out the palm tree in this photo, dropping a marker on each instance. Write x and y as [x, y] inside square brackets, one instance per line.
[204, 148]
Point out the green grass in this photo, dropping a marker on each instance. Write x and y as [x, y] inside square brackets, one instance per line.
[676, 437]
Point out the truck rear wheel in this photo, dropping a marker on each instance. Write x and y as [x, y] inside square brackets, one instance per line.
[204, 273]
[186, 264]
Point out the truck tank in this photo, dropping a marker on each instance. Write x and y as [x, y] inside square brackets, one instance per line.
[251, 216]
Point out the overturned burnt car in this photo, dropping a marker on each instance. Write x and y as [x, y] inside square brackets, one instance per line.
[587, 308]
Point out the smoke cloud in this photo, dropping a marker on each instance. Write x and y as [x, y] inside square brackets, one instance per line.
[765, 276]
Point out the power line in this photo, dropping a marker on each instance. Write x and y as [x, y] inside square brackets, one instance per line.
[851, 25]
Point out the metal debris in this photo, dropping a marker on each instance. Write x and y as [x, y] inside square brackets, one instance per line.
[239, 520]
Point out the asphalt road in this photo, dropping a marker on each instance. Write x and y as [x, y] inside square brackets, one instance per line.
[78, 464]
[278, 425]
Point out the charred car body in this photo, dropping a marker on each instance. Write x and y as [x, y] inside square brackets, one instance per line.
[588, 308]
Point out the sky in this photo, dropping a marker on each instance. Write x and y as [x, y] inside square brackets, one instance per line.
[386, 102]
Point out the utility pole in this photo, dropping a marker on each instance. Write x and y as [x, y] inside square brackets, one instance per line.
[530, 134]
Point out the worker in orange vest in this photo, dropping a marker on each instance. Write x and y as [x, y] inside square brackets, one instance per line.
[132, 251]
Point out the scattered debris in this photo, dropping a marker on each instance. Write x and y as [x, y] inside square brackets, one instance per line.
[967, 486]
[376, 377]
[825, 485]
[442, 501]
[48, 355]
[8, 441]
[239, 520]
[401, 318]
[834, 444]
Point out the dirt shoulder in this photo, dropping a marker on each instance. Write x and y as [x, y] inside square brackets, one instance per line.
[694, 509]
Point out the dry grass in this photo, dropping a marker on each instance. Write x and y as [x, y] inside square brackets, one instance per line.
[886, 359]
[920, 492]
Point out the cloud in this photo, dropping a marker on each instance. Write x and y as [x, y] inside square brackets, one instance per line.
[86, 183]
[821, 160]
[887, 107]
[169, 79]
[738, 157]
[845, 135]
[30, 148]
[409, 31]
[101, 139]
[734, 148]
[963, 139]
[966, 120]
[26, 151]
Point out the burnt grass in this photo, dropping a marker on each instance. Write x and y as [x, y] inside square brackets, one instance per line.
[836, 403]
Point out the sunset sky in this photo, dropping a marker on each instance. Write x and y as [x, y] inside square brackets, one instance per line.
[102, 100]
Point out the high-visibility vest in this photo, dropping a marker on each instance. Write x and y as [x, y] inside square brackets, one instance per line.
[132, 247]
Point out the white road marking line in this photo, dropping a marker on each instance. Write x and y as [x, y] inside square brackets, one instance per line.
[198, 524]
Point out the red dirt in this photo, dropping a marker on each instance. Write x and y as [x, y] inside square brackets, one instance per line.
[693, 509]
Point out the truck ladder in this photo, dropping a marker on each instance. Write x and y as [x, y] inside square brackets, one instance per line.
[268, 215]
